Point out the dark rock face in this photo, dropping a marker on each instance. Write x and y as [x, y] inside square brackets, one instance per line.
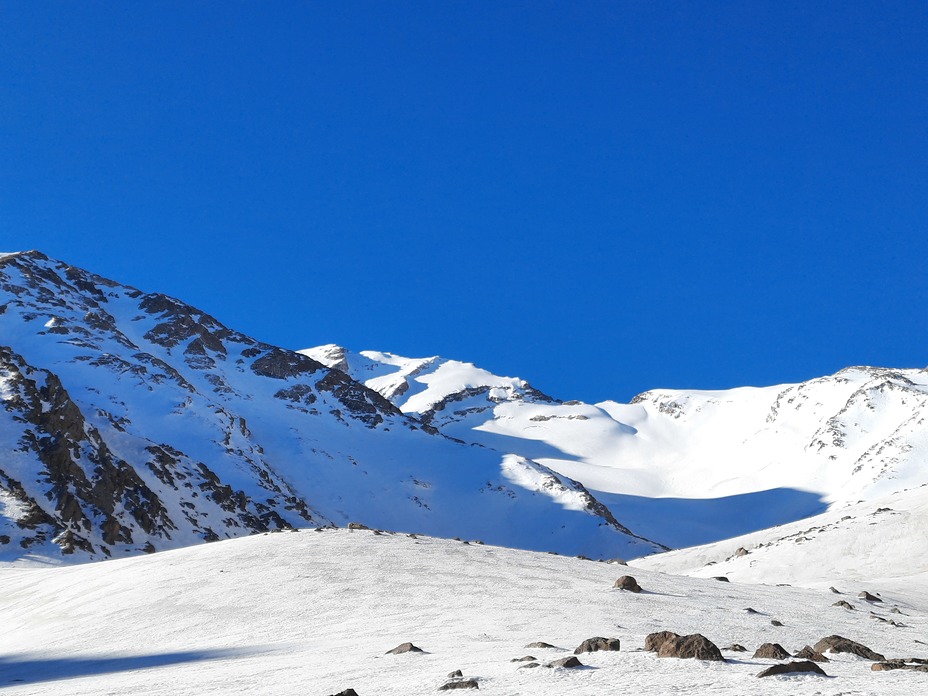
[793, 668]
[594, 644]
[404, 648]
[460, 684]
[775, 622]
[807, 653]
[721, 578]
[693, 646]
[771, 651]
[654, 641]
[346, 692]
[527, 658]
[844, 645]
[567, 662]
[627, 583]
[869, 597]
[455, 673]
[842, 603]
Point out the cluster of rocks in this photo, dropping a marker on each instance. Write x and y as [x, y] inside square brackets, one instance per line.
[669, 644]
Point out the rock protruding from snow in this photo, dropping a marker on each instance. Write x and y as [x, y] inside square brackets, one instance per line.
[654, 641]
[598, 643]
[404, 648]
[771, 651]
[695, 646]
[627, 583]
[808, 653]
[839, 644]
[566, 662]
[802, 667]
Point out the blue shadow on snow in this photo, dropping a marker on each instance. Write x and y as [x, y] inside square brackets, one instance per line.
[681, 522]
[24, 669]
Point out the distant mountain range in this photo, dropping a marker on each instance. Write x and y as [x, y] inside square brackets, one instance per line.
[135, 422]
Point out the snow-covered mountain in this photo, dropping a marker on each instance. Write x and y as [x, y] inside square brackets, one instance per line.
[683, 467]
[132, 421]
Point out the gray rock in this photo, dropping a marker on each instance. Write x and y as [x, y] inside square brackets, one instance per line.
[735, 647]
[455, 673]
[404, 648]
[793, 668]
[627, 583]
[540, 644]
[775, 622]
[597, 643]
[840, 644]
[842, 603]
[529, 665]
[527, 658]
[721, 578]
[567, 662]
[869, 597]
[460, 684]
[695, 646]
[346, 692]
[771, 651]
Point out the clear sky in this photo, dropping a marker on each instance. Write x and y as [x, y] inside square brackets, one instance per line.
[599, 197]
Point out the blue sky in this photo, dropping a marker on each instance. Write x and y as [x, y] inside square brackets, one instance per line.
[599, 197]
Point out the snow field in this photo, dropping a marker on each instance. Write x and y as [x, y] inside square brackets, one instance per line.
[314, 612]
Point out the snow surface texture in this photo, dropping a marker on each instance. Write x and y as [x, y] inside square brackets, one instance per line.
[315, 613]
[683, 467]
[134, 422]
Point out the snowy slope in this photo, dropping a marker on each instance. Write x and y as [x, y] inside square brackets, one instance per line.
[868, 542]
[314, 613]
[683, 467]
[133, 422]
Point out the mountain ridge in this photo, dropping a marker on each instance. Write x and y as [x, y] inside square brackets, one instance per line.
[135, 422]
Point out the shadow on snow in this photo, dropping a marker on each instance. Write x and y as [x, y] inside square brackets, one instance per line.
[25, 669]
[681, 522]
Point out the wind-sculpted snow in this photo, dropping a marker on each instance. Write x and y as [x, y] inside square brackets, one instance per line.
[770, 455]
[135, 422]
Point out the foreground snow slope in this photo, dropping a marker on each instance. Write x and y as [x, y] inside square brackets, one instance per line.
[314, 613]
[683, 467]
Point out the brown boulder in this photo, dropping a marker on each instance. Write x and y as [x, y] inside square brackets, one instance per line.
[598, 643]
[793, 668]
[404, 648]
[771, 651]
[807, 653]
[654, 641]
[694, 646]
[840, 644]
[627, 583]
